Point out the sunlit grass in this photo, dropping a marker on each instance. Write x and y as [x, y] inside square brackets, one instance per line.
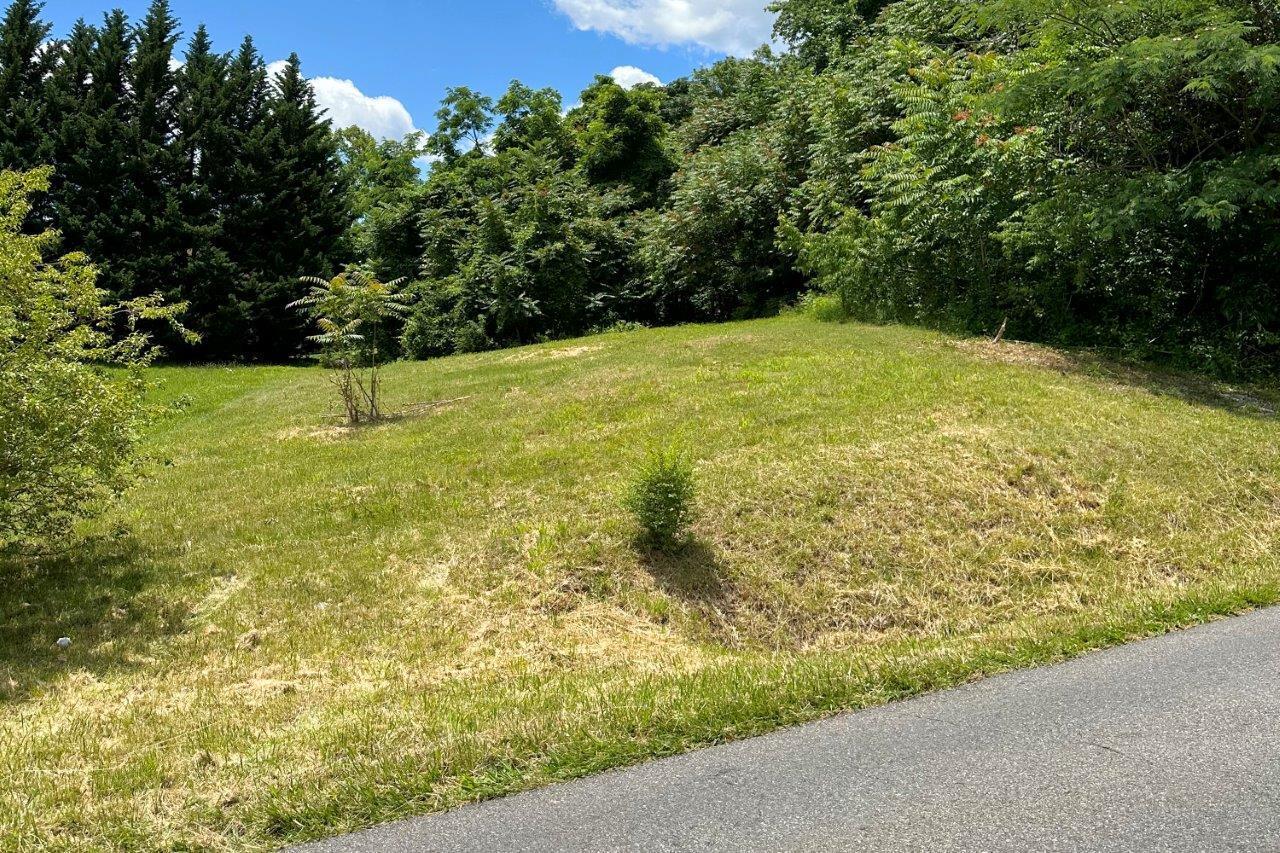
[291, 629]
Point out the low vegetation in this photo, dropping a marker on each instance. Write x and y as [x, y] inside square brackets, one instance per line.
[661, 498]
[292, 628]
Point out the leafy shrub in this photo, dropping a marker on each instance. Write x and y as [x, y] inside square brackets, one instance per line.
[69, 423]
[661, 498]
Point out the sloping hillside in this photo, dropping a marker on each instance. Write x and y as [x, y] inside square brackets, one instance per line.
[291, 629]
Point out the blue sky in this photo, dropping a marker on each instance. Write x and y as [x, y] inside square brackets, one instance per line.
[378, 62]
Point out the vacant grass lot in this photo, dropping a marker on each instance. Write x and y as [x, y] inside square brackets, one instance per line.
[290, 630]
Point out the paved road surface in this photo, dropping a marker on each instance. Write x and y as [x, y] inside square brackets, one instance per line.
[1170, 744]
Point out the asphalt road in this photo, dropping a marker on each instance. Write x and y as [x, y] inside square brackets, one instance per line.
[1170, 744]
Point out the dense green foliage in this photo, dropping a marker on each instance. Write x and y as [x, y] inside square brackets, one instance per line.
[642, 205]
[69, 424]
[710, 251]
[532, 235]
[1094, 173]
[1097, 172]
[205, 181]
[383, 179]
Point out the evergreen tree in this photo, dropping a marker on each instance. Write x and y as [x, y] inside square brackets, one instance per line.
[66, 96]
[204, 182]
[25, 61]
[91, 150]
[153, 208]
[205, 153]
[239, 185]
[304, 215]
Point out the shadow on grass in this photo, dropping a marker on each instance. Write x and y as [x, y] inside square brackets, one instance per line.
[97, 592]
[691, 573]
[344, 429]
[1245, 400]
[418, 410]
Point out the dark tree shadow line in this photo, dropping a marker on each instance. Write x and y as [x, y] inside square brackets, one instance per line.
[93, 592]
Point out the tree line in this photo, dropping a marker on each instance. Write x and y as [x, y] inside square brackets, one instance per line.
[198, 177]
[1090, 173]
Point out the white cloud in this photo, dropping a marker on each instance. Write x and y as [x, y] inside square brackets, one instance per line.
[383, 116]
[628, 76]
[726, 26]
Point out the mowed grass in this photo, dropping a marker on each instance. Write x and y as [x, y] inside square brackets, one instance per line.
[291, 630]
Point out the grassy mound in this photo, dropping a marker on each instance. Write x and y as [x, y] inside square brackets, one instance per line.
[292, 629]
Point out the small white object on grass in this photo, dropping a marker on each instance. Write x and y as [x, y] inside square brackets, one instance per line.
[64, 643]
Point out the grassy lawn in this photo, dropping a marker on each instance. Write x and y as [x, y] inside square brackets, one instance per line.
[290, 630]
